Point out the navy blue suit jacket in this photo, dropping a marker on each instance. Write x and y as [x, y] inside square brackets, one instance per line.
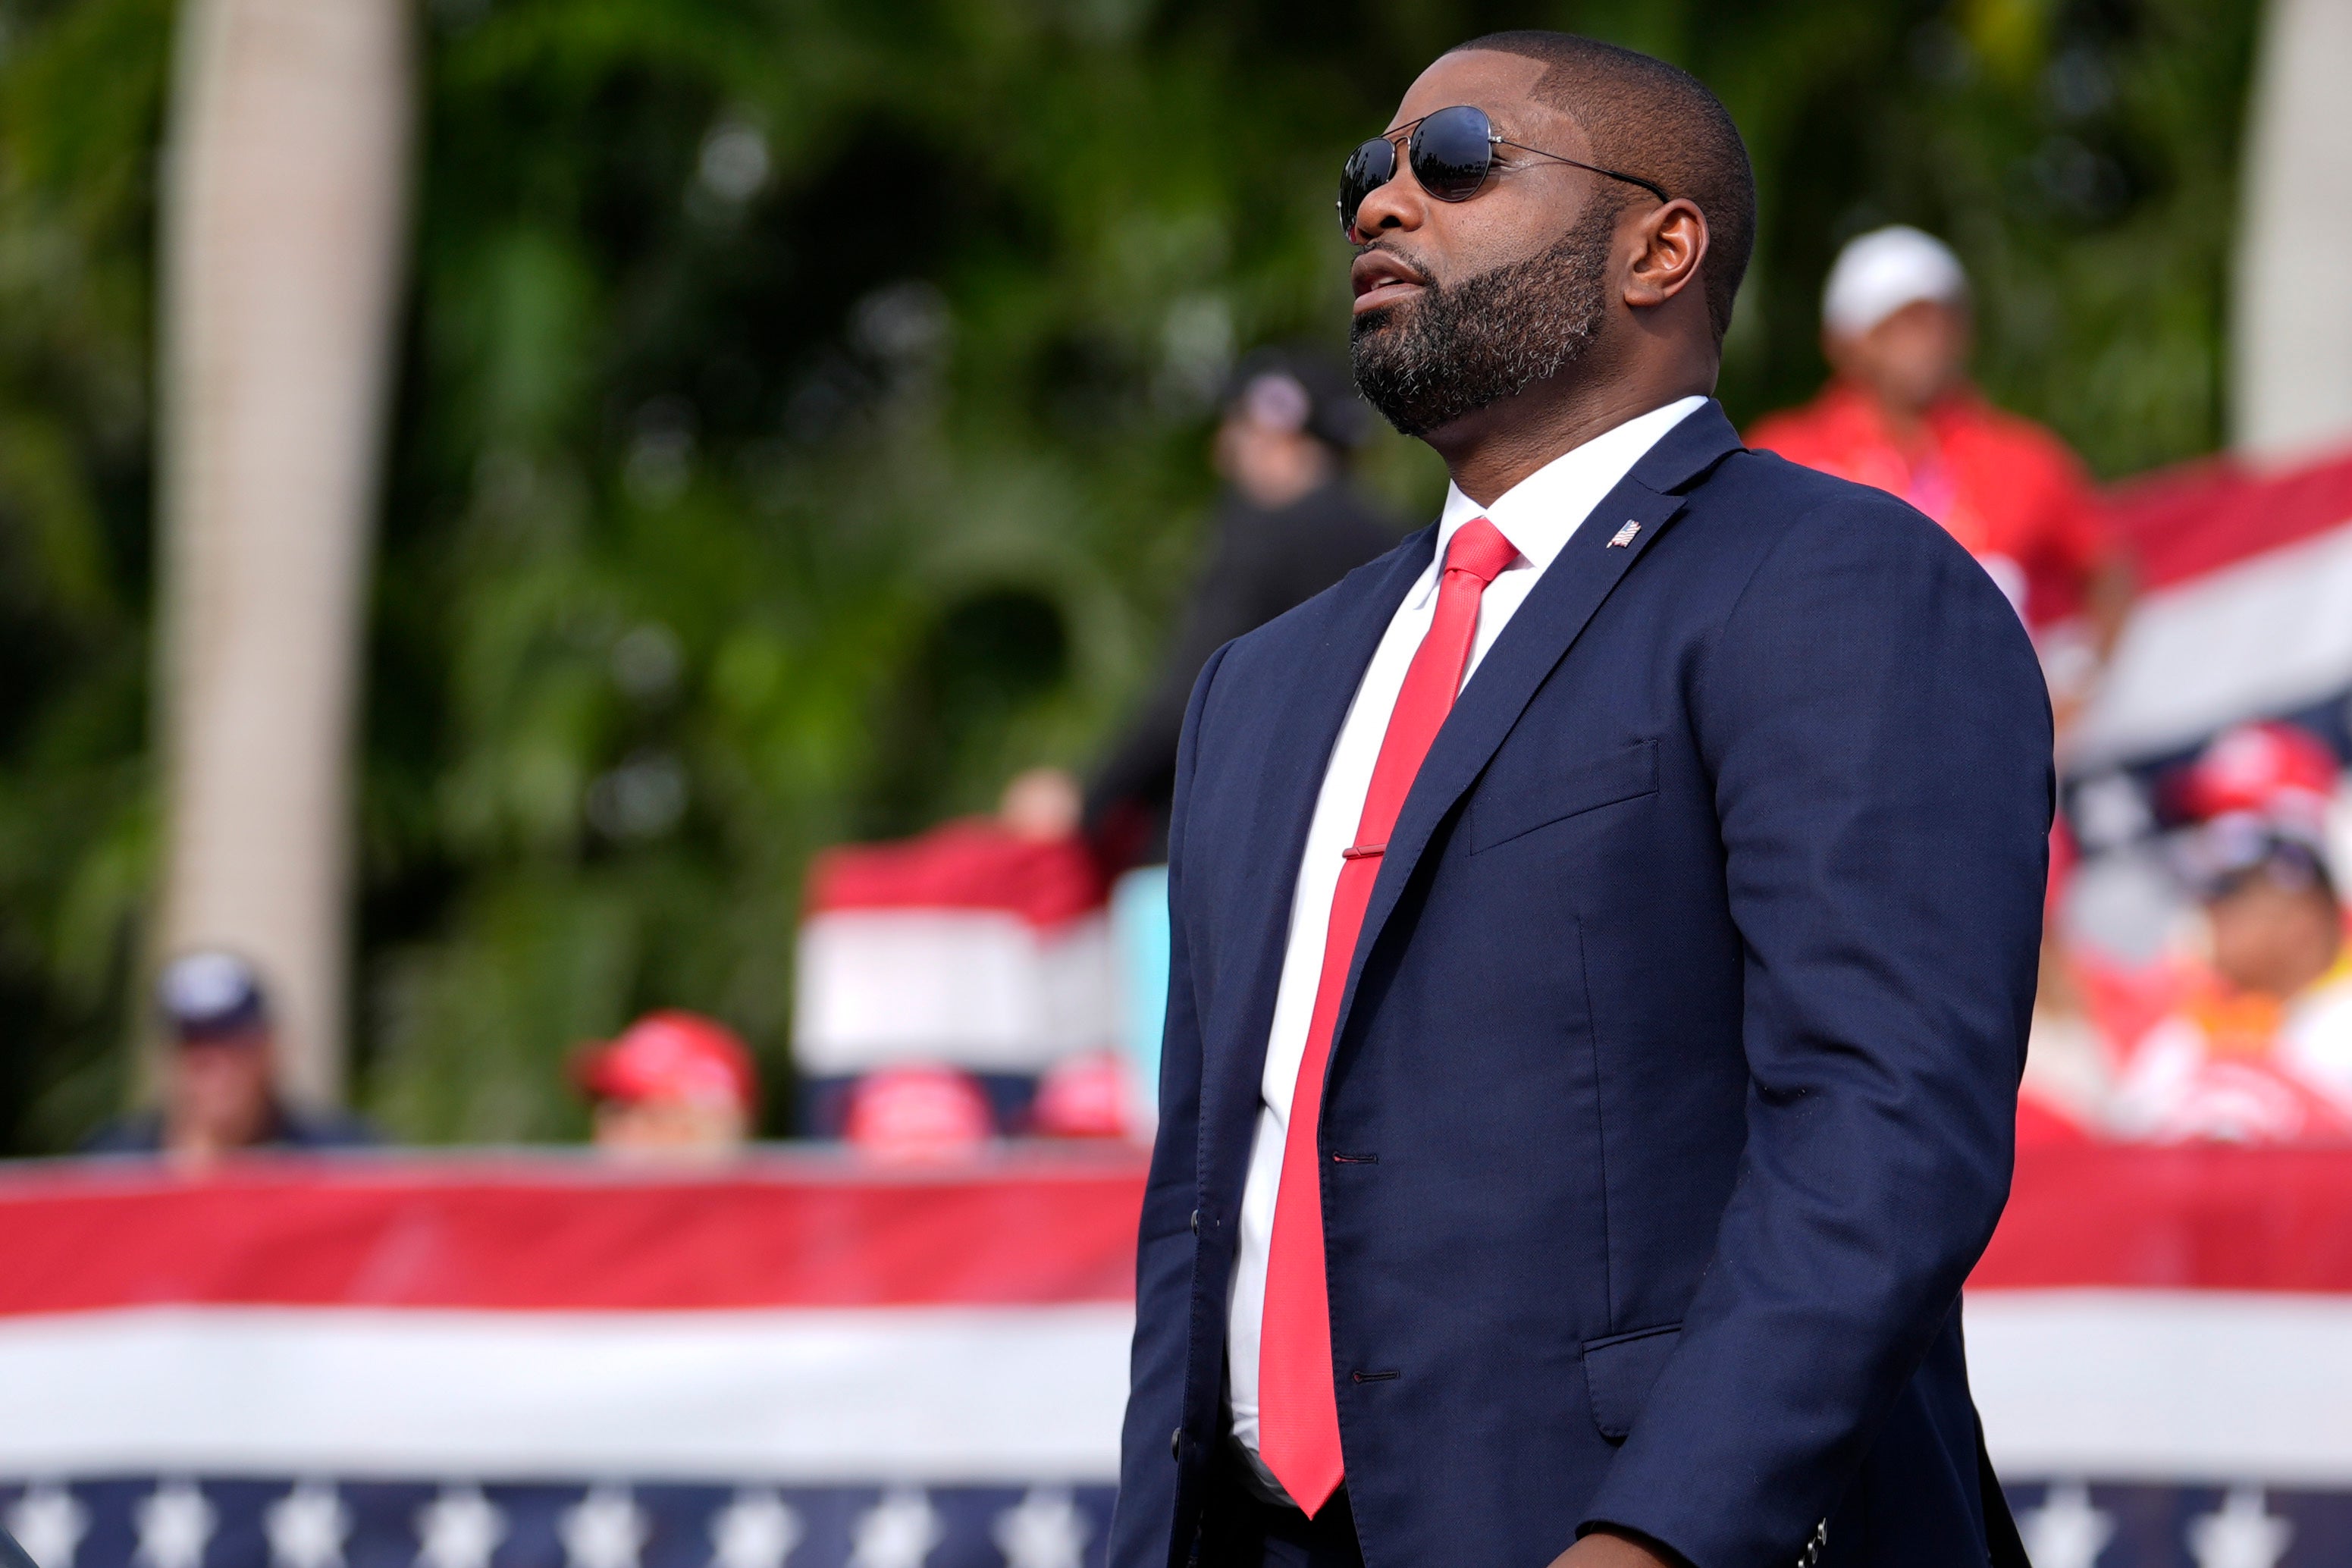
[1675, 1092]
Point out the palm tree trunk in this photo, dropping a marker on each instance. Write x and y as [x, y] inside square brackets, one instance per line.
[2292, 349]
[285, 218]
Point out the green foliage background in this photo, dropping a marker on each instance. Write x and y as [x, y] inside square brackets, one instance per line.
[802, 424]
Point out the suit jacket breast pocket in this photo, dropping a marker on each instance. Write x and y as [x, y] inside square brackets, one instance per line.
[1504, 809]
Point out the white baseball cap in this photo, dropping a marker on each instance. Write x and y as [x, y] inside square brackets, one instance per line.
[1880, 272]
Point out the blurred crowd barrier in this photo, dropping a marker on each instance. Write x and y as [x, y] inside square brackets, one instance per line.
[300, 1363]
[809, 1361]
[978, 982]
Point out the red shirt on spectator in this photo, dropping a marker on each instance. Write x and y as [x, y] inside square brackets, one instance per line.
[2007, 489]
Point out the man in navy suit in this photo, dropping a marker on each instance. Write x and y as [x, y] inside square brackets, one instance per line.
[1605, 930]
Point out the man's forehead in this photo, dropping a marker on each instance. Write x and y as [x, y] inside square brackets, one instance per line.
[1504, 84]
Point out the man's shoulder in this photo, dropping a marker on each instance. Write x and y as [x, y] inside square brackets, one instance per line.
[1776, 496]
[1339, 513]
[1299, 631]
[139, 1132]
[1801, 544]
[1769, 530]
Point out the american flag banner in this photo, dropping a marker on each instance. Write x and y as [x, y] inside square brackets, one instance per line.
[802, 1362]
[2245, 613]
[2160, 1342]
[356, 1363]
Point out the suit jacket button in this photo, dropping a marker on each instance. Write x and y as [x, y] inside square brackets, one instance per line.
[1176, 1444]
[1196, 1222]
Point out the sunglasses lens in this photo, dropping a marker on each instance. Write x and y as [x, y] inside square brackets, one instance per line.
[1369, 168]
[1451, 153]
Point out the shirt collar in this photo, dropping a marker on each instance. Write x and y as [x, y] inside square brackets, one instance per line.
[1540, 513]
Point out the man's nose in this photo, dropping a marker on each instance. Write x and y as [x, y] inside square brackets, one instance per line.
[1400, 204]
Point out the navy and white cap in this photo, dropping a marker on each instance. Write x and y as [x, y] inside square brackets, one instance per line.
[1293, 387]
[209, 993]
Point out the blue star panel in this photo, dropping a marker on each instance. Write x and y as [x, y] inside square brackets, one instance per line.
[113, 1523]
[2187, 1527]
[97, 1522]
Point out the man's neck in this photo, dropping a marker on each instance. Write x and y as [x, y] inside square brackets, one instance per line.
[1489, 452]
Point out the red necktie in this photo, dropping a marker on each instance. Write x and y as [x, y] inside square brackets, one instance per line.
[1298, 1412]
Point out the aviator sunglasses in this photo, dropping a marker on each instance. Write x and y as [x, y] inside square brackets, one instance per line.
[1449, 153]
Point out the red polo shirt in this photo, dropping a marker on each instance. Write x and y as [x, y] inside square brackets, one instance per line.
[2005, 488]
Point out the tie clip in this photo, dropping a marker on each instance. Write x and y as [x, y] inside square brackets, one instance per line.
[1625, 536]
[1361, 851]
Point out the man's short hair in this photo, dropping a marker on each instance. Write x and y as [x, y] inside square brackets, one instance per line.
[1657, 121]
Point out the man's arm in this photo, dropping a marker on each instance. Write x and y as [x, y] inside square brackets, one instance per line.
[2080, 546]
[1164, 1251]
[1879, 739]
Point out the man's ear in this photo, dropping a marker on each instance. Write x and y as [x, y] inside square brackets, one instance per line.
[1670, 241]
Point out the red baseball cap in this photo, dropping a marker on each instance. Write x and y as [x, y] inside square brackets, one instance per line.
[917, 1112]
[673, 1056]
[1082, 1097]
[2270, 770]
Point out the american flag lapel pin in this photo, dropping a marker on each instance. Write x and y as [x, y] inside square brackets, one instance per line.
[1625, 536]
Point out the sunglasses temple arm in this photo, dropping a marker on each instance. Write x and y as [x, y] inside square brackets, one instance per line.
[1650, 186]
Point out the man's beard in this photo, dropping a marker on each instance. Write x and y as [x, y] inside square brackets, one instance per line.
[1427, 361]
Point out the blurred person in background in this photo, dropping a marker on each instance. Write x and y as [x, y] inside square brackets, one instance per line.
[2259, 1049]
[1900, 414]
[1288, 525]
[672, 1086]
[219, 1067]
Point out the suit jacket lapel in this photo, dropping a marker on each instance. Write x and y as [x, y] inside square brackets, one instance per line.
[1537, 638]
[1307, 719]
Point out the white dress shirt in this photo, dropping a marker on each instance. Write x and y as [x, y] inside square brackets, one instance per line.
[1537, 515]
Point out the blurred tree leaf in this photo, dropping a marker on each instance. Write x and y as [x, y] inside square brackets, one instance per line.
[80, 103]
